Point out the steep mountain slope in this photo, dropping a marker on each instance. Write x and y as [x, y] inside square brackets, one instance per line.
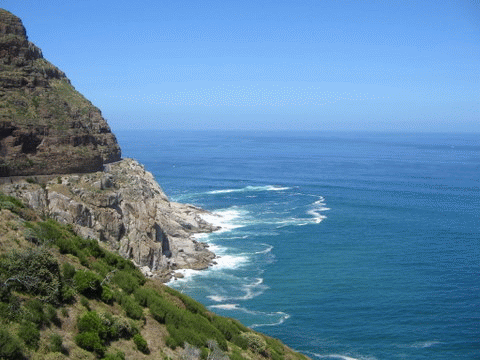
[46, 126]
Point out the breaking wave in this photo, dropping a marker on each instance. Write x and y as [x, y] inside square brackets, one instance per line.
[249, 189]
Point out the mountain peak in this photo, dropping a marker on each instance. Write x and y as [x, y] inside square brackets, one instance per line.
[46, 126]
[11, 24]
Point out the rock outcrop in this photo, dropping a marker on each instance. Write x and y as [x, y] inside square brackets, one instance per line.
[58, 154]
[125, 209]
[46, 126]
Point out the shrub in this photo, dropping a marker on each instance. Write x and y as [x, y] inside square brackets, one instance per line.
[100, 267]
[126, 281]
[90, 322]
[131, 307]
[141, 343]
[68, 294]
[90, 341]
[192, 305]
[84, 301]
[235, 355]
[254, 341]
[124, 329]
[240, 341]
[34, 271]
[34, 312]
[10, 347]
[56, 343]
[119, 355]
[145, 296]
[64, 312]
[51, 315]
[107, 295]
[88, 283]
[68, 271]
[159, 308]
[226, 326]
[30, 334]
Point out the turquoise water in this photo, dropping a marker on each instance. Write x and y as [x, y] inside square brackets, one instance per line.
[343, 245]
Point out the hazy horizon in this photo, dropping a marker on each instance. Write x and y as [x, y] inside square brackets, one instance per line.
[406, 66]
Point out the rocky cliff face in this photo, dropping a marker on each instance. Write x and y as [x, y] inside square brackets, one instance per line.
[46, 126]
[125, 209]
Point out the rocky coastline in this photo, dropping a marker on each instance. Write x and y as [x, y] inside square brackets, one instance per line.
[58, 154]
[125, 209]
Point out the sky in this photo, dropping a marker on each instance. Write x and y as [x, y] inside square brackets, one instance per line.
[391, 65]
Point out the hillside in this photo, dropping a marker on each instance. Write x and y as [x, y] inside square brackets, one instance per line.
[65, 297]
[46, 126]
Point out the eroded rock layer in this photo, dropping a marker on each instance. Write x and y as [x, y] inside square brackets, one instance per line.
[46, 126]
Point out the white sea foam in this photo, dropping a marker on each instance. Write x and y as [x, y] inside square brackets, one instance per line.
[249, 189]
[227, 219]
[226, 307]
[282, 318]
[229, 262]
[425, 344]
[334, 356]
[279, 317]
[267, 250]
[317, 217]
[216, 298]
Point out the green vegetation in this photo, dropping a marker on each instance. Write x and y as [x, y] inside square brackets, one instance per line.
[112, 304]
[141, 343]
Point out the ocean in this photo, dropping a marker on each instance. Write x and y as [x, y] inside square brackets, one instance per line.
[343, 245]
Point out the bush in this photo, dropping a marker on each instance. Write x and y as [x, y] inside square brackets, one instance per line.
[34, 312]
[88, 283]
[107, 295]
[240, 341]
[236, 355]
[56, 343]
[33, 271]
[141, 343]
[30, 334]
[68, 294]
[119, 355]
[226, 326]
[51, 315]
[10, 347]
[90, 341]
[100, 267]
[132, 309]
[254, 341]
[126, 281]
[68, 271]
[91, 322]
[123, 327]
[145, 296]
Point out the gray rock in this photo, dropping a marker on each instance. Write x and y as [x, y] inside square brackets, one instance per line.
[124, 208]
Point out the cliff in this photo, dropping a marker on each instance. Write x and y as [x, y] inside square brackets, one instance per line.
[125, 209]
[46, 126]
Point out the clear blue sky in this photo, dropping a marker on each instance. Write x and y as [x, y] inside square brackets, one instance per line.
[345, 65]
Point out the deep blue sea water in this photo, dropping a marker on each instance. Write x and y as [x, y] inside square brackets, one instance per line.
[343, 245]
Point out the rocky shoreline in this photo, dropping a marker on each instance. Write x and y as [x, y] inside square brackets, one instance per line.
[125, 209]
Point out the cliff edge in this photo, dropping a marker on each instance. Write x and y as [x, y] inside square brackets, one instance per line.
[57, 153]
[46, 126]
